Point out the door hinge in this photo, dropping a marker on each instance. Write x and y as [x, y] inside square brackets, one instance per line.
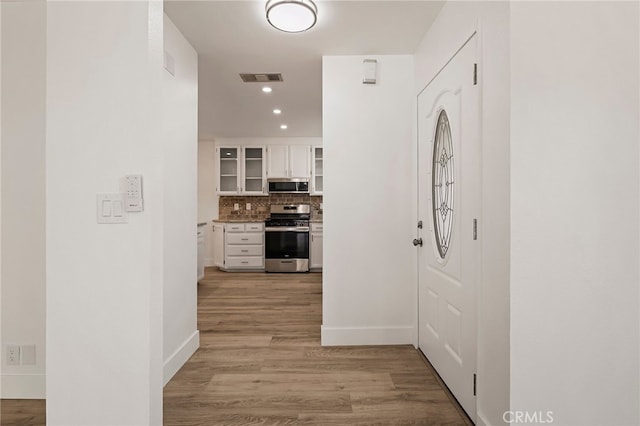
[474, 384]
[475, 229]
[475, 74]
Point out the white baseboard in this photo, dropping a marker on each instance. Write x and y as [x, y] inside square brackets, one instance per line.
[180, 356]
[208, 261]
[23, 386]
[480, 420]
[358, 336]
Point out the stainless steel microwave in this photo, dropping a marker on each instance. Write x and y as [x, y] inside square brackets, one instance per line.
[288, 186]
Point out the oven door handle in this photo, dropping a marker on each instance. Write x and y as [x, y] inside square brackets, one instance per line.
[286, 229]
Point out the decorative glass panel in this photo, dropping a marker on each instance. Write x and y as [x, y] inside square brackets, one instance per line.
[442, 184]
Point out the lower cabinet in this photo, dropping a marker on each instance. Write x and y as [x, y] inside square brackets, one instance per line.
[218, 244]
[243, 246]
[315, 247]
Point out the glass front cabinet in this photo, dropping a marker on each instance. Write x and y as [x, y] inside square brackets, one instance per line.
[241, 170]
[254, 171]
[317, 165]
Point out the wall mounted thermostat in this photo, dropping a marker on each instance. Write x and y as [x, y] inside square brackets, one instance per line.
[369, 71]
[134, 201]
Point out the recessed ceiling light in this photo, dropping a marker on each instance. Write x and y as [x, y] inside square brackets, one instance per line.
[266, 89]
[277, 111]
[283, 126]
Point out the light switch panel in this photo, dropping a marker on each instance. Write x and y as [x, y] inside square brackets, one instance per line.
[110, 208]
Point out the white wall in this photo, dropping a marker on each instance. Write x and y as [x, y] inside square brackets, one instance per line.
[180, 338]
[104, 282]
[207, 198]
[575, 193]
[455, 23]
[23, 193]
[369, 271]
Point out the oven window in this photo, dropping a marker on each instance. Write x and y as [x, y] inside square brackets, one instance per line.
[286, 245]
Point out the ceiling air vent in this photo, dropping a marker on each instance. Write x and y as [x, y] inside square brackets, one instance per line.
[260, 78]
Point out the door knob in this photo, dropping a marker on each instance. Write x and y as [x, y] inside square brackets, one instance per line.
[417, 242]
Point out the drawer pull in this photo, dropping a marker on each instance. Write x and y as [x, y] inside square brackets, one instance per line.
[244, 262]
[244, 239]
[244, 251]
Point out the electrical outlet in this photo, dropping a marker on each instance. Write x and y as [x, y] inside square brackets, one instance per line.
[248, 206]
[236, 206]
[13, 355]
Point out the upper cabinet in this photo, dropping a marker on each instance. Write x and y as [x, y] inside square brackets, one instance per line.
[289, 161]
[241, 170]
[228, 160]
[316, 176]
[254, 171]
[300, 161]
[278, 163]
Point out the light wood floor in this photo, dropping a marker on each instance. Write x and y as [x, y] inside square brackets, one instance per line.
[260, 363]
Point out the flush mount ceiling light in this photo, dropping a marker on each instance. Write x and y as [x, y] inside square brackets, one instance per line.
[277, 111]
[291, 16]
[284, 126]
[266, 89]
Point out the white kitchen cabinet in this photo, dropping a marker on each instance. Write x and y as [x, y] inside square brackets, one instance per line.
[315, 246]
[243, 246]
[228, 161]
[278, 161]
[200, 263]
[317, 170]
[254, 171]
[241, 170]
[300, 161]
[218, 244]
[289, 161]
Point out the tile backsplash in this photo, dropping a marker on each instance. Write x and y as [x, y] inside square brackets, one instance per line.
[260, 206]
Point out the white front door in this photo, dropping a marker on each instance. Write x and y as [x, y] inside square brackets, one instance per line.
[449, 204]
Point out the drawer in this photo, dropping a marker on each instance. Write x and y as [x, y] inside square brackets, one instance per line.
[234, 227]
[254, 227]
[244, 238]
[244, 262]
[244, 250]
[316, 227]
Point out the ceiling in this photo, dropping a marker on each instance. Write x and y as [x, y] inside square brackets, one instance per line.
[233, 37]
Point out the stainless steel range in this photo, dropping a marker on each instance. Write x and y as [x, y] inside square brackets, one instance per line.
[287, 238]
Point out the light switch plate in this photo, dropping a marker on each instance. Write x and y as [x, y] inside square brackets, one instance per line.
[110, 208]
